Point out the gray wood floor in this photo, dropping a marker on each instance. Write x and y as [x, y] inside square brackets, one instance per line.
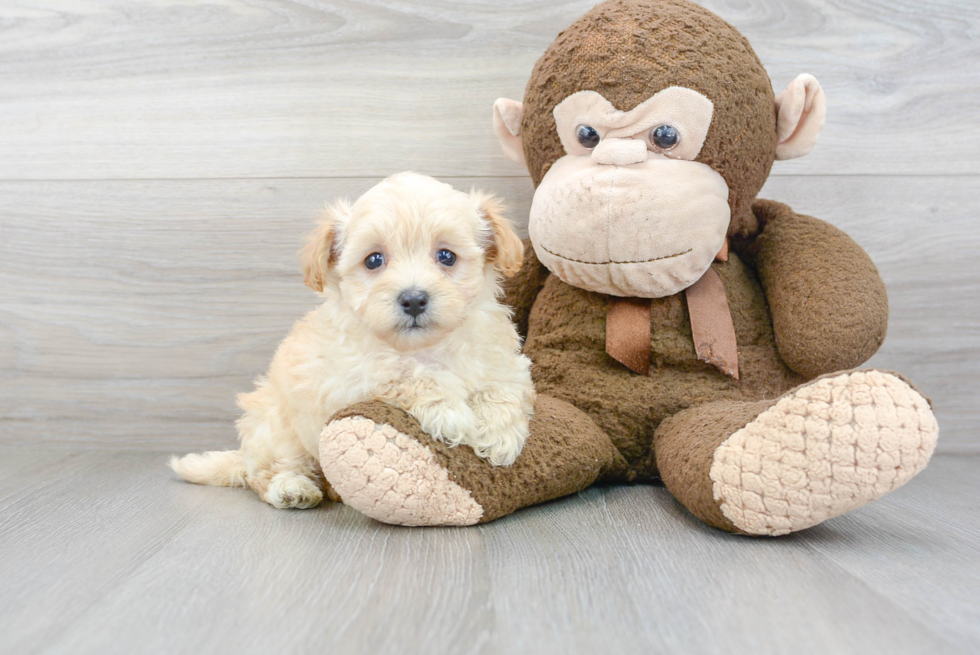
[160, 163]
[104, 552]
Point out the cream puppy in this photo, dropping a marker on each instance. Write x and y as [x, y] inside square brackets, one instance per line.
[409, 275]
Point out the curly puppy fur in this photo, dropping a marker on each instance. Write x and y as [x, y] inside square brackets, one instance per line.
[456, 366]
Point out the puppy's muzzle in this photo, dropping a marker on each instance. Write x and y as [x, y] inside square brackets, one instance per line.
[413, 302]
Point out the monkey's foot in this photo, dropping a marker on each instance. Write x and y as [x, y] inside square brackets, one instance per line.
[823, 449]
[383, 464]
[391, 477]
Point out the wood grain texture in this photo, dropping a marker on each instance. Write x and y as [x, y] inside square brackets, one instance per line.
[131, 313]
[267, 88]
[160, 163]
[105, 552]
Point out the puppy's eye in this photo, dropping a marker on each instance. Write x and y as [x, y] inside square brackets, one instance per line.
[587, 136]
[374, 260]
[664, 137]
[446, 257]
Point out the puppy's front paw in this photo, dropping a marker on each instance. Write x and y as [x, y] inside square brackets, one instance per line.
[503, 426]
[503, 447]
[290, 491]
[449, 422]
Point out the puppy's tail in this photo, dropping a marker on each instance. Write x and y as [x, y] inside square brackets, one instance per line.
[221, 468]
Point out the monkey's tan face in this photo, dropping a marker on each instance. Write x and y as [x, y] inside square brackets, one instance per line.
[626, 211]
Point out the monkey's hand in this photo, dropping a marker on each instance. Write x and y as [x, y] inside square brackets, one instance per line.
[521, 290]
[828, 303]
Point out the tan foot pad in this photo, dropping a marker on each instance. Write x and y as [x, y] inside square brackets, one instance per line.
[391, 477]
[822, 450]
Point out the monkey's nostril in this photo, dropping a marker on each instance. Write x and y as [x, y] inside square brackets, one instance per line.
[413, 301]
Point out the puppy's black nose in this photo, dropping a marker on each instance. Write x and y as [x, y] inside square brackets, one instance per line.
[413, 301]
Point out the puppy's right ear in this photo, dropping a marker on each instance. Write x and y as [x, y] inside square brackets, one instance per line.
[322, 248]
[506, 251]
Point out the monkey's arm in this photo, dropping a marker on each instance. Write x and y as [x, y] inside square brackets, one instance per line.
[828, 303]
[521, 290]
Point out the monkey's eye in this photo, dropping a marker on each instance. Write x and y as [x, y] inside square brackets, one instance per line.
[587, 136]
[664, 137]
[374, 260]
[446, 257]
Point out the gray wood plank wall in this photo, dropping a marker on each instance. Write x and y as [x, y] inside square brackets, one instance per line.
[161, 162]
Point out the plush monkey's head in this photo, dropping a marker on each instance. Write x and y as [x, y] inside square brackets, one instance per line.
[648, 127]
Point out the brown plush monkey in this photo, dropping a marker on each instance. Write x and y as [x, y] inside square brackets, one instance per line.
[648, 127]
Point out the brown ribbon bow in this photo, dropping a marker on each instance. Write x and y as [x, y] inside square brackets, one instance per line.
[628, 325]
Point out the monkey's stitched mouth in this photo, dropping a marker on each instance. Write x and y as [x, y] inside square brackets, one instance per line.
[639, 261]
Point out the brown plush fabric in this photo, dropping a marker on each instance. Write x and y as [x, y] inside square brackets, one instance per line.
[566, 341]
[628, 50]
[685, 447]
[521, 289]
[829, 305]
[565, 453]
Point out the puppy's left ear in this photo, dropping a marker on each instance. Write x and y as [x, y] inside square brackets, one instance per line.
[506, 250]
[320, 253]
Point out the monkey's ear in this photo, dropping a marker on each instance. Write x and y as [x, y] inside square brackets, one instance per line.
[319, 255]
[507, 115]
[506, 250]
[802, 109]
